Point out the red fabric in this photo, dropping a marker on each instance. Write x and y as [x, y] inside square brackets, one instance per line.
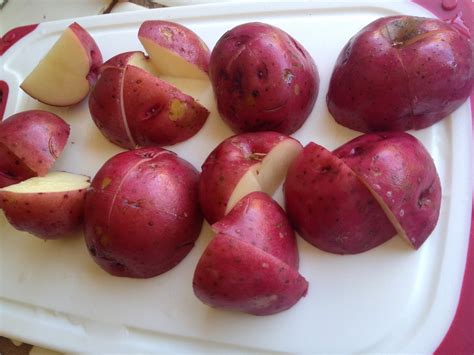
[460, 337]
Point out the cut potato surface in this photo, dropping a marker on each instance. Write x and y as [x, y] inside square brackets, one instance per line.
[330, 208]
[170, 63]
[267, 175]
[57, 181]
[61, 77]
[48, 207]
[135, 106]
[251, 265]
[242, 164]
[401, 174]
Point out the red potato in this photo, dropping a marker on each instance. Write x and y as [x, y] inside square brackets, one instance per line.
[66, 74]
[242, 164]
[330, 207]
[264, 80]
[133, 108]
[402, 176]
[30, 143]
[49, 207]
[251, 265]
[400, 73]
[142, 214]
[12, 169]
[157, 111]
[174, 49]
[275, 237]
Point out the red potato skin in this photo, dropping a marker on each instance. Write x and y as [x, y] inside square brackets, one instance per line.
[264, 80]
[106, 109]
[36, 138]
[178, 39]
[251, 265]
[120, 60]
[234, 275]
[132, 108]
[7, 180]
[400, 170]
[330, 207]
[259, 221]
[400, 73]
[149, 104]
[12, 169]
[51, 215]
[142, 214]
[95, 55]
[225, 166]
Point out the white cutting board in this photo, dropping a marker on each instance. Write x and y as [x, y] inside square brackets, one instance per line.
[390, 299]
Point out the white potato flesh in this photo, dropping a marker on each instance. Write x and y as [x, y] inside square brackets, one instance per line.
[60, 78]
[57, 181]
[170, 63]
[199, 89]
[276, 163]
[247, 184]
[267, 175]
[396, 224]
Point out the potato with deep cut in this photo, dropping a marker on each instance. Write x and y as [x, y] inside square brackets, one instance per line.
[251, 265]
[330, 207]
[133, 107]
[241, 164]
[402, 176]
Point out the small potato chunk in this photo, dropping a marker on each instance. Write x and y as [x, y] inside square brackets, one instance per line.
[30, 143]
[49, 207]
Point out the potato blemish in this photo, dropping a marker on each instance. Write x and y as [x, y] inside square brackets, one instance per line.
[106, 182]
[297, 89]
[288, 76]
[177, 110]
[104, 240]
[167, 33]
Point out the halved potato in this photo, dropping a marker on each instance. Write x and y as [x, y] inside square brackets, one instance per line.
[49, 207]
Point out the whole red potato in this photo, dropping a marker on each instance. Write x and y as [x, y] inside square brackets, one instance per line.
[400, 73]
[264, 80]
